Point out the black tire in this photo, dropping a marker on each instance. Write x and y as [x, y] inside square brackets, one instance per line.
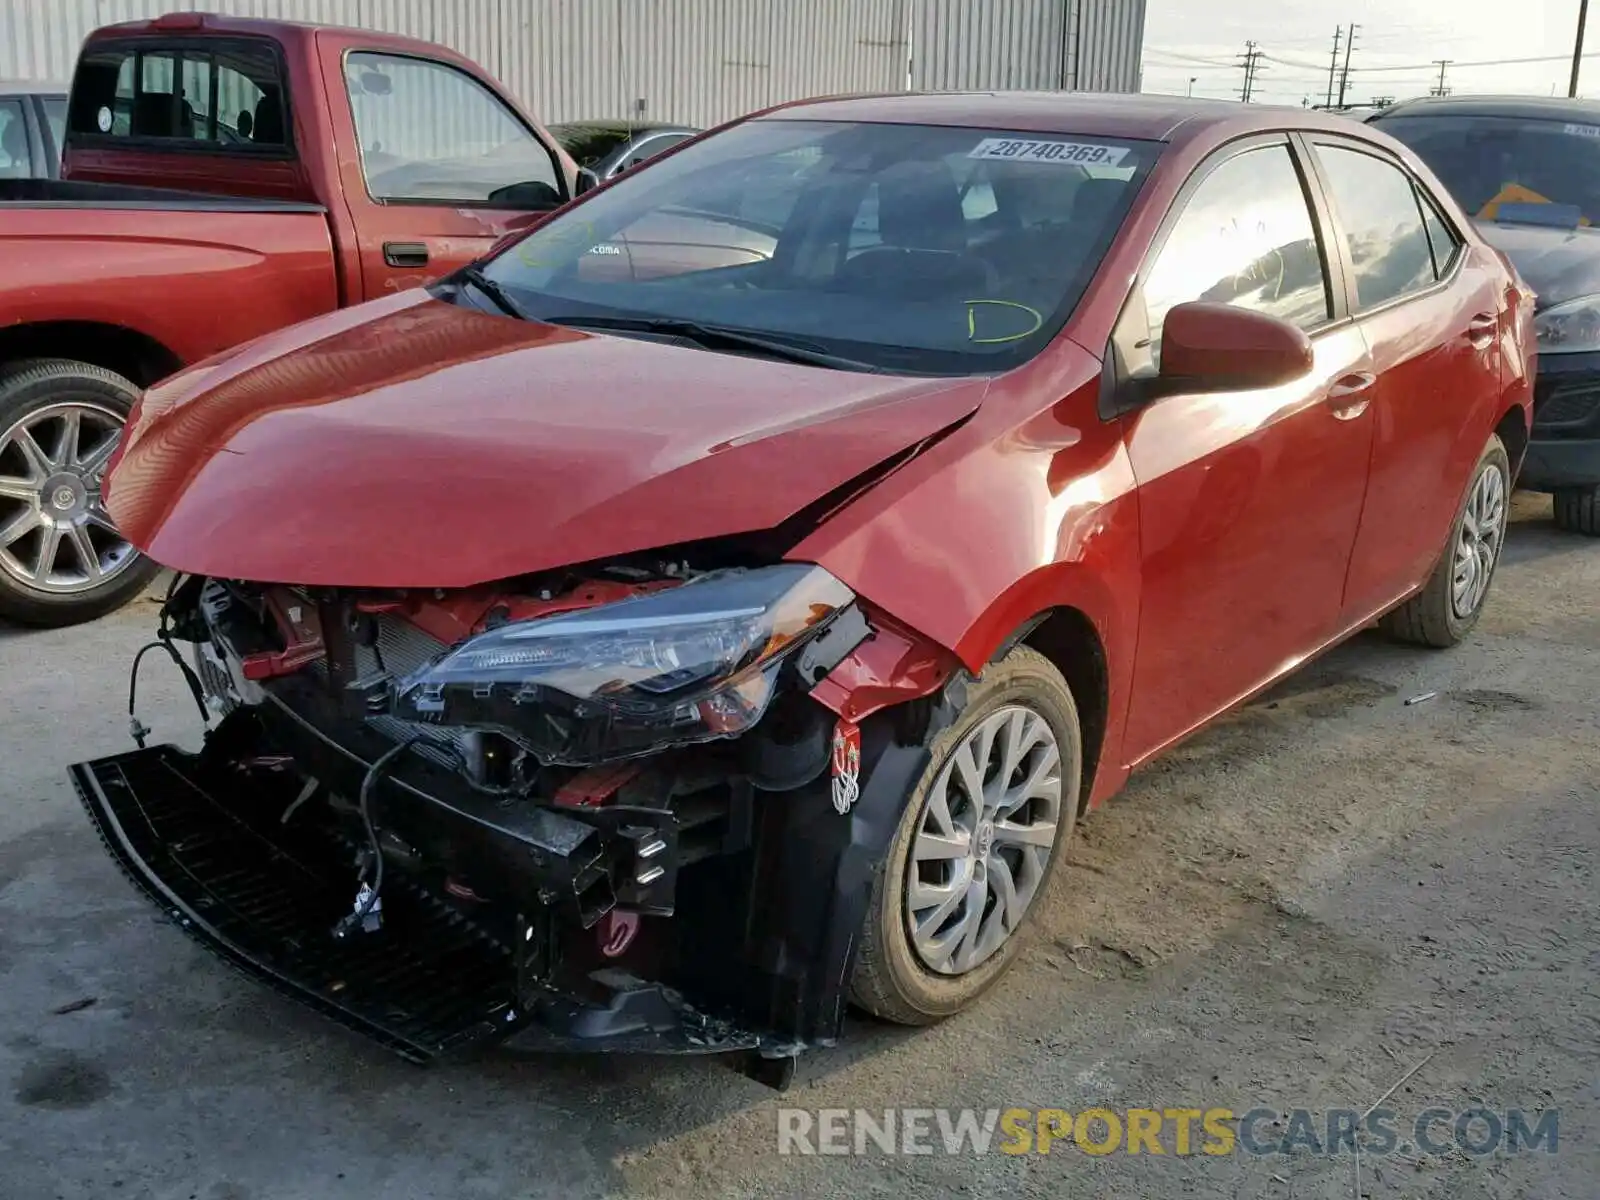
[1429, 618]
[1577, 510]
[889, 980]
[25, 388]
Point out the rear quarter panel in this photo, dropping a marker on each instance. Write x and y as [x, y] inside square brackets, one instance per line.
[195, 281]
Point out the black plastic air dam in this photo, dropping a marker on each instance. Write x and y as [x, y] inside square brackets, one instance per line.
[204, 840]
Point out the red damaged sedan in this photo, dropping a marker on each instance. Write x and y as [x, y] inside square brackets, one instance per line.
[718, 606]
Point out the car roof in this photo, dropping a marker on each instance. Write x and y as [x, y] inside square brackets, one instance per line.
[1547, 108]
[1103, 114]
[31, 87]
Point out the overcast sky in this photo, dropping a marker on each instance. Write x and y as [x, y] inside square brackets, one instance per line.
[1395, 46]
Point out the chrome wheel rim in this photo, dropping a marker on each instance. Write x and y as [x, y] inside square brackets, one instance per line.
[984, 841]
[55, 535]
[1483, 528]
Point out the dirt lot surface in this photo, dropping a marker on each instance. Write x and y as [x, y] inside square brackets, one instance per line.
[1292, 911]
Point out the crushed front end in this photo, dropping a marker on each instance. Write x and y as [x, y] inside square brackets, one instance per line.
[636, 808]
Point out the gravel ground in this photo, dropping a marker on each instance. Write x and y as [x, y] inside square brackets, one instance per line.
[1291, 911]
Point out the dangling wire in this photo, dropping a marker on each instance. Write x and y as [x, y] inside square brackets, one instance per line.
[354, 919]
[163, 641]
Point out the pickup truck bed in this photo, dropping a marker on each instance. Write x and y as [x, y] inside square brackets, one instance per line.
[55, 235]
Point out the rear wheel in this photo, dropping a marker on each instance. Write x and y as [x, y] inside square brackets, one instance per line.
[975, 851]
[1577, 510]
[62, 561]
[1449, 606]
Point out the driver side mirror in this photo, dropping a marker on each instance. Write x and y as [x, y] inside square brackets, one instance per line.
[1207, 347]
[587, 181]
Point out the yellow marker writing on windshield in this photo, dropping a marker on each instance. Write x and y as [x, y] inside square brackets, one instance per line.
[972, 321]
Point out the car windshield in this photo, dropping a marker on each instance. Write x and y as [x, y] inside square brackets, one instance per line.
[1490, 162]
[907, 248]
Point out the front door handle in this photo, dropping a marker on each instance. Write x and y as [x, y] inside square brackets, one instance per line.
[405, 254]
[1481, 330]
[1350, 394]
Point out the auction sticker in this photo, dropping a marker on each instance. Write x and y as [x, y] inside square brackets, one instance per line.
[1085, 154]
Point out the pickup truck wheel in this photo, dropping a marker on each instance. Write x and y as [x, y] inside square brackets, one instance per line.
[1577, 510]
[61, 559]
[975, 851]
[1449, 606]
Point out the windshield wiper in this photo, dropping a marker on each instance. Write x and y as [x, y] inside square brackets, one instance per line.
[719, 337]
[473, 274]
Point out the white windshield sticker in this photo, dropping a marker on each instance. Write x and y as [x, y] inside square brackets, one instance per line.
[1084, 154]
[1588, 131]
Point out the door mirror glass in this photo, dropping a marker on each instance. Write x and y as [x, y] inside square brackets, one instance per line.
[1208, 347]
[587, 181]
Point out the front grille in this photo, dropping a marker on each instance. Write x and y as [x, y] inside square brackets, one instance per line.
[1567, 405]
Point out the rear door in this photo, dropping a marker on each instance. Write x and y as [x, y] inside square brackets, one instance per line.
[1430, 311]
[442, 166]
[1249, 501]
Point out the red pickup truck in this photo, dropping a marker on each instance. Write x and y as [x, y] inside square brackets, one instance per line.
[222, 178]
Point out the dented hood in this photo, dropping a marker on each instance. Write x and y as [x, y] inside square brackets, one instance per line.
[413, 443]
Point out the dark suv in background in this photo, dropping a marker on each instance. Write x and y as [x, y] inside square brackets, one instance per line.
[33, 120]
[1528, 171]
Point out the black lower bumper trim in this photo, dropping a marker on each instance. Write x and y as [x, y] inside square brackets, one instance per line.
[265, 899]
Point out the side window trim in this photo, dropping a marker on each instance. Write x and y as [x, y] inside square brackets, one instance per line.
[199, 49]
[1430, 207]
[1382, 154]
[510, 111]
[1124, 339]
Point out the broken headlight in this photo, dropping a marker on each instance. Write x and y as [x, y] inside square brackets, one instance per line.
[687, 664]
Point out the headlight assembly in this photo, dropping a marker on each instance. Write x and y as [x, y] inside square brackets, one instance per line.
[687, 664]
[1571, 327]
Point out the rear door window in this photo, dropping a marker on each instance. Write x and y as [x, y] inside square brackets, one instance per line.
[210, 95]
[55, 117]
[430, 133]
[1377, 205]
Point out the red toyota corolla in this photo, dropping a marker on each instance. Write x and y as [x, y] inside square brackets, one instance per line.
[719, 605]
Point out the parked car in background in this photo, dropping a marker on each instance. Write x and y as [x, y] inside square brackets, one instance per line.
[1528, 169]
[323, 167]
[683, 656]
[609, 148]
[33, 119]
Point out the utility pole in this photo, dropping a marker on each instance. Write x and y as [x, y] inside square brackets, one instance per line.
[1192, 80]
[1441, 90]
[1250, 60]
[1577, 49]
[1344, 76]
[1333, 63]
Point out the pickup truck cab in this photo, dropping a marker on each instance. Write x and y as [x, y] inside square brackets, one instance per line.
[222, 178]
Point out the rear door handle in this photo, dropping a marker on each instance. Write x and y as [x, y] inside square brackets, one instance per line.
[1482, 329]
[1350, 394]
[405, 254]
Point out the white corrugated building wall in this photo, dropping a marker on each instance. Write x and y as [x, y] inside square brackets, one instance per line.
[696, 61]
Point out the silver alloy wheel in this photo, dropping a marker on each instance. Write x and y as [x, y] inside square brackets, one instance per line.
[55, 536]
[1483, 530]
[984, 842]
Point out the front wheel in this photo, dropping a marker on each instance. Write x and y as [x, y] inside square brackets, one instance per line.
[61, 559]
[974, 853]
[1449, 606]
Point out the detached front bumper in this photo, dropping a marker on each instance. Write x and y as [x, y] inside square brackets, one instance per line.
[203, 836]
